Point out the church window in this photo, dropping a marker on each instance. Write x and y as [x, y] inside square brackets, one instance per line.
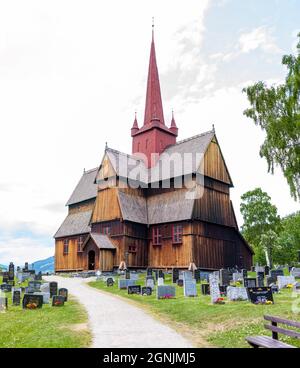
[80, 244]
[66, 246]
[132, 249]
[177, 234]
[156, 235]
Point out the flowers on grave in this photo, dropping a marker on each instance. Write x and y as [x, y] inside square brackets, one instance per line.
[237, 283]
[168, 296]
[289, 286]
[58, 303]
[219, 301]
[263, 302]
[31, 306]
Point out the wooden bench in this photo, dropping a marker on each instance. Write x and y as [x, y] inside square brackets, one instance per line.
[273, 342]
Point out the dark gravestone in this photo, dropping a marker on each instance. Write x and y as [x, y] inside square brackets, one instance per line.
[5, 277]
[274, 288]
[267, 270]
[149, 271]
[110, 282]
[35, 285]
[11, 272]
[271, 280]
[249, 282]
[58, 301]
[161, 274]
[32, 301]
[146, 290]
[6, 288]
[53, 288]
[260, 279]
[16, 298]
[175, 275]
[245, 273]
[223, 289]
[180, 282]
[38, 277]
[63, 292]
[26, 266]
[253, 269]
[197, 275]
[134, 289]
[205, 289]
[260, 295]
[224, 277]
[275, 273]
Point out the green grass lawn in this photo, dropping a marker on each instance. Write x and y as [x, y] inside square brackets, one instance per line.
[212, 325]
[48, 327]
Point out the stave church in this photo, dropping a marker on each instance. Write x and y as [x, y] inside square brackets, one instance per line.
[165, 205]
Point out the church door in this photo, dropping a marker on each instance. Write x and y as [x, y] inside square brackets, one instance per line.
[91, 260]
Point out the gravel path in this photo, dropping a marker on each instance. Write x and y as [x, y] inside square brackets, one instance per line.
[117, 324]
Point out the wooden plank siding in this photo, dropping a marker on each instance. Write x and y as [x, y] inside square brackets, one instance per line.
[82, 206]
[72, 261]
[106, 206]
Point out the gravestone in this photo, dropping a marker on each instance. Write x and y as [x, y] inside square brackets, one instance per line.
[253, 269]
[160, 281]
[223, 290]
[35, 285]
[283, 281]
[295, 272]
[249, 282]
[175, 275]
[45, 288]
[296, 287]
[63, 292]
[127, 275]
[134, 289]
[267, 270]
[161, 274]
[46, 296]
[58, 301]
[236, 293]
[110, 282]
[150, 283]
[259, 269]
[165, 292]
[124, 283]
[260, 279]
[180, 282]
[274, 288]
[146, 290]
[204, 276]
[237, 276]
[187, 275]
[32, 301]
[5, 288]
[5, 277]
[38, 277]
[197, 275]
[224, 277]
[245, 273]
[16, 296]
[53, 286]
[189, 288]
[205, 289]
[149, 271]
[134, 276]
[259, 295]
[3, 303]
[11, 272]
[214, 287]
[271, 280]
[276, 273]
[26, 267]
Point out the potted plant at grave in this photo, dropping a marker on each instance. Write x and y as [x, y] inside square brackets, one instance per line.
[31, 306]
[220, 301]
[58, 303]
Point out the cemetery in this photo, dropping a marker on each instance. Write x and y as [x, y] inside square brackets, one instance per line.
[35, 313]
[224, 308]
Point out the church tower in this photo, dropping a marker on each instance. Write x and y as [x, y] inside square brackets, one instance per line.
[154, 136]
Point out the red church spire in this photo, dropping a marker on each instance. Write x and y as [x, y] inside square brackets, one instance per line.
[173, 126]
[135, 126]
[154, 109]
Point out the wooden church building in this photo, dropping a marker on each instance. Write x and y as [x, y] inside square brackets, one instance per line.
[135, 209]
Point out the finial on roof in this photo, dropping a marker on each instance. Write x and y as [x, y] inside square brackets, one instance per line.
[173, 126]
[84, 170]
[135, 126]
[213, 127]
[106, 146]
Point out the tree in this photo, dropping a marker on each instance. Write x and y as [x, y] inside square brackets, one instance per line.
[261, 223]
[276, 110]
[288, 240]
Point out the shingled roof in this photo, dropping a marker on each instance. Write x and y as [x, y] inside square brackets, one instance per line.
[133, 208]
[101, 241]
[85, 189]
[75, 224]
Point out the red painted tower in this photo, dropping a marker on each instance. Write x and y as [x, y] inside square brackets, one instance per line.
[154, 136]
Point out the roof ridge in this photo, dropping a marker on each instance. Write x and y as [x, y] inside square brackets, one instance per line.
[191, 138]
[91, 170]
[123, 153]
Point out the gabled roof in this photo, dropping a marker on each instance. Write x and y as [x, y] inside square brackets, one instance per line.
[75, 224]
[85, 189]
[101, 241]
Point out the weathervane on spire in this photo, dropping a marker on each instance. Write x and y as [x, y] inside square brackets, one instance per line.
[152, 28]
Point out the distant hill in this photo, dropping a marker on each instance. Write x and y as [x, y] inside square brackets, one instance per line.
[3, 268]
[45, 265]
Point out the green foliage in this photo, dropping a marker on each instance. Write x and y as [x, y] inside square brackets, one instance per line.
[276, 110]
[288, 242]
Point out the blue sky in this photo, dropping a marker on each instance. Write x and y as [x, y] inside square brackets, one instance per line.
[73, 73]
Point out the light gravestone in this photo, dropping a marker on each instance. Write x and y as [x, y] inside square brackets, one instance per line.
[237, 276]
[46, 297]
[190, 288]
[295, 272]
[3, 303]
[160, 281]
[187, 275]
[249, 282]
[45, 288]
[124, 283]
[134, 276]
[150, 283]
[283, 281]
[165, 292]
[214, 287]
[237, 293]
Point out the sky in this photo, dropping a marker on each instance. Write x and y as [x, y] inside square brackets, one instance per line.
[72, 74]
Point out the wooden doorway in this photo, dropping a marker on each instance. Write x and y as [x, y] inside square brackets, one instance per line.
[91, 260]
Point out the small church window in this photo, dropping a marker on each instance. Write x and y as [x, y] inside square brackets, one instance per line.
[80, 244]
[66, 246]
[177, 233]
[156, 235]
[132, 249]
